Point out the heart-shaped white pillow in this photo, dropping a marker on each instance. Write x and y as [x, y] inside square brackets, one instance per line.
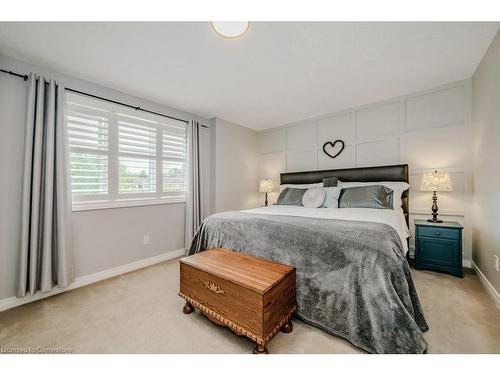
[313, 197]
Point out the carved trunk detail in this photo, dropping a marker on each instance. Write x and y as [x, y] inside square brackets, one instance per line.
[213, 287]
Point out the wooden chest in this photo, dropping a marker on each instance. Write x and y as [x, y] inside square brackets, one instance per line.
[252, 296]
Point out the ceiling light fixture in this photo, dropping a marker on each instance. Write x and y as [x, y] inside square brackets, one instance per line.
[230, 29]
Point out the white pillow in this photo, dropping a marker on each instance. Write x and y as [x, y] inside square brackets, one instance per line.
[300, 186]
[397, 186]
[313, 197]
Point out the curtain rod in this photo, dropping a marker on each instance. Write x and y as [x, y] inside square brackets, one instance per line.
[25, 77]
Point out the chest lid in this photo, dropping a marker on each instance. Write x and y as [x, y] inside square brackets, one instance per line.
[248, 271]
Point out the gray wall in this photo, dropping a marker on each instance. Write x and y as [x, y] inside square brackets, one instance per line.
[428, 129]
[486, 158]
[235, 174]
[103, 238]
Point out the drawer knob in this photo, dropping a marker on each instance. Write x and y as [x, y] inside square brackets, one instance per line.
[213, 287]
[437, 233]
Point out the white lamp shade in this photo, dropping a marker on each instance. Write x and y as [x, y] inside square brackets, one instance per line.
[436, 181]
[266, 186]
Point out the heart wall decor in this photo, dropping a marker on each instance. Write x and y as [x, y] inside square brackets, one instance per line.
[332, 144]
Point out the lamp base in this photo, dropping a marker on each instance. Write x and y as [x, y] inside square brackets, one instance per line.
[434, 221]
[434, 210]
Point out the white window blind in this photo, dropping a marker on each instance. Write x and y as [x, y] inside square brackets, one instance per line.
[136, 156]
[174, 159]
[120, 155]
[88, 132]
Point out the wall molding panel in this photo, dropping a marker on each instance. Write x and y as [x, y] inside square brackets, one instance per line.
[427, 129]
[440, 108]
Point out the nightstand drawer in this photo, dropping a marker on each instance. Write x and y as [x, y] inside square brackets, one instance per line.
[437, 232]
[439, 251]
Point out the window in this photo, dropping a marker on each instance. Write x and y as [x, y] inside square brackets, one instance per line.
[174, 160]
[88, 131]
[122, 157]
[136, 156]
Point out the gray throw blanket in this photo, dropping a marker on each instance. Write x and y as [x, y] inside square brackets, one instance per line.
[353, 280]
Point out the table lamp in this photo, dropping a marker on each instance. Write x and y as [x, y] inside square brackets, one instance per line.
[436, 181]
[266, 186]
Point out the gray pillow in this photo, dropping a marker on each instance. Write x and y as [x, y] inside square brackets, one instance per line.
[330, 181]
[373, 196]
[291, 197]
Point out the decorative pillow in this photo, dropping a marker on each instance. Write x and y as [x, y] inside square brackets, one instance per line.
[291, 197]
[313, 197]
[398, 187]
[372, 196]
[332, 195]
[330, 181]
[300, 186]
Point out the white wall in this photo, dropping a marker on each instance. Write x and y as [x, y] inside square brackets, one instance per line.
[486, 159]
[235, 173]
[428, 130]
[103, 239]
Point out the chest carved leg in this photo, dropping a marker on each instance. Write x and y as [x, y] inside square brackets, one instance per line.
[287, 327]
[260, 349]
[188, 308]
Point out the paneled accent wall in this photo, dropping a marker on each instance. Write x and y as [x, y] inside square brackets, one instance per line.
[428, 130]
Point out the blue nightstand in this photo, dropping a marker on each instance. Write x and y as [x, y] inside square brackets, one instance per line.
[438, 247]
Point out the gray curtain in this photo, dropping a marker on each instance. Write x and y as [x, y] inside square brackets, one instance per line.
[45, 257]
[193, 197]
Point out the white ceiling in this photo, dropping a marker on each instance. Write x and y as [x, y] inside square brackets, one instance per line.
[275, 74]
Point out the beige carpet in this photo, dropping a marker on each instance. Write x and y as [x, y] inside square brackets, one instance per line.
[140, 312]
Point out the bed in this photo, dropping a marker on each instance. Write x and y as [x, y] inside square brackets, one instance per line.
[353, 279]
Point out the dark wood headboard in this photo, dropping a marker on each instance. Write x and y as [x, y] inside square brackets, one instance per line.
[367, 174]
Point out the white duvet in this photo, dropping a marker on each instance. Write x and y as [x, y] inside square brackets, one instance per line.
[394, 218]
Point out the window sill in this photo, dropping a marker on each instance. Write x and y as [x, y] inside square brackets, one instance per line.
[90, 206]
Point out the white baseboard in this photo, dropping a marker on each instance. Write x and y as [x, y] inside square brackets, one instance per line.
[11, 302]
[495, 296]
